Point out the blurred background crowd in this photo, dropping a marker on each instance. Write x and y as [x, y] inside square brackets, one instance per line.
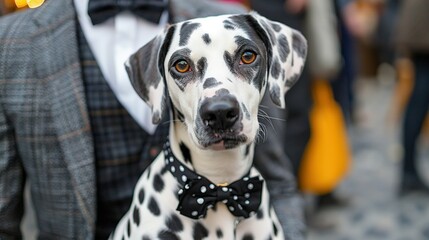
[357, 131]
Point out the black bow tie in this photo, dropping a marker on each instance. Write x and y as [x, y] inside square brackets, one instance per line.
[101, 10]
[198, 194]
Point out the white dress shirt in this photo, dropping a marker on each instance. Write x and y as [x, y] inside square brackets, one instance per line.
[112, 42]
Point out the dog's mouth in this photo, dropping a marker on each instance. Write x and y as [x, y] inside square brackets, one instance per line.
[222, 141]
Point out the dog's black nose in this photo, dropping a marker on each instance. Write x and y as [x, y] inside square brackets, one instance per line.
[220, 113]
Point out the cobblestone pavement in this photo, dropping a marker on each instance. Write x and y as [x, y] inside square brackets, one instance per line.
[374, 210]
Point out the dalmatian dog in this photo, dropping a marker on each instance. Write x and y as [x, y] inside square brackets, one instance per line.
[211, 73]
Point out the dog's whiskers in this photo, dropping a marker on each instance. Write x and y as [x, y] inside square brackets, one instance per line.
[262, 133]
[264, 116]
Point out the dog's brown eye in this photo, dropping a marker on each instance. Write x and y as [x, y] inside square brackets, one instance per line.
[182, 66]
[248, 57]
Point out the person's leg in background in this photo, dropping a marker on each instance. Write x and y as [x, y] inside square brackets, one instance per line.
[297, 132]
[415, 114]
[342, 86]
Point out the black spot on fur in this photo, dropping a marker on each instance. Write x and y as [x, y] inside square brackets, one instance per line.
[276, 27]
[128, 228]
[228, 57]
[260, 214]
[185, 152]
[248, 236]
[185, 32]
[246, 112]
[167, 235]
[136, 215]
[211, 82]
[275, 68]
[174, 223]
[219, 233]
[154, 53]
[202, 66]
[141, 196]
[222, 92]
[146, 238]
[292, 80]
[206, 38]
[164, 49]
[283, 47]
[164, 170]
[270, 32]
[200, 231]
[153, 207]
[247, 150]
[228, 25]
[275, 94]
[148, 172]
[275, 230]
[299, 45]
[158, 183]
[179, 115]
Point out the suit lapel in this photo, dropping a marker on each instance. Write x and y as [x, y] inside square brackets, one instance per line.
[57, 39]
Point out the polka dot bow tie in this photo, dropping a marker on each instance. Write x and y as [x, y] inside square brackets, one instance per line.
[198, 194]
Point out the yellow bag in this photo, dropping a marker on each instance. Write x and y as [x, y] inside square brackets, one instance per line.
[327, 156]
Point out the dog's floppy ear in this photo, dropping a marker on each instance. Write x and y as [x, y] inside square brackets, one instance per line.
[287, 51]
[145, 69]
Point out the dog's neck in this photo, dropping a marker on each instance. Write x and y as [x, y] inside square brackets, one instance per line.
[219, 166]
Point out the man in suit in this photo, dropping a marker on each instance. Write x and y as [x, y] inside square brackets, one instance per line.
[70, 126]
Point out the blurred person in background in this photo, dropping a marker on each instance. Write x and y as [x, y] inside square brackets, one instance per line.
[412, 39]
[298, 99]
[295, 118]
[71, 124]
[342, 84]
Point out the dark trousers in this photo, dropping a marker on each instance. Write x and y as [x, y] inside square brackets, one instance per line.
[415, 113]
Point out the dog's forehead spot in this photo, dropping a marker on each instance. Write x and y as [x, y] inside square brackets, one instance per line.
[228, 25]
[206, 38]
[243, 26]
[186, 31]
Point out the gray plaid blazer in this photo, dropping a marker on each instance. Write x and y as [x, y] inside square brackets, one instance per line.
[45, 134]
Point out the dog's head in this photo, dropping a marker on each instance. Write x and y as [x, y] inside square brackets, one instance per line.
[215, 71]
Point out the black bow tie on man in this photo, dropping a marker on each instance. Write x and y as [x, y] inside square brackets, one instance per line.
[198, 194]
[101, 10]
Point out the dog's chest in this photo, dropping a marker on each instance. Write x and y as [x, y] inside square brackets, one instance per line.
[153, 214]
